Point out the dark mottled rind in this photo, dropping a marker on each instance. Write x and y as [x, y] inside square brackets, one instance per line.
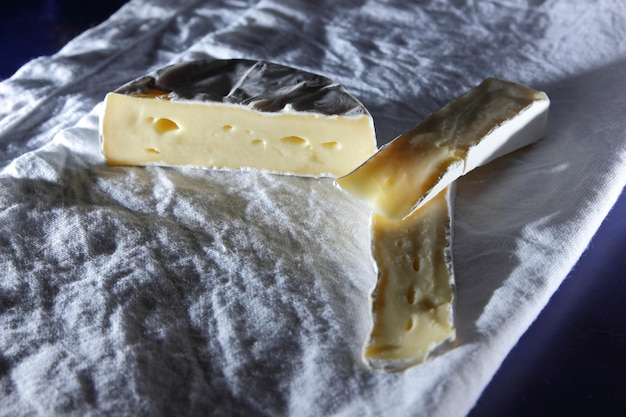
[260, 85]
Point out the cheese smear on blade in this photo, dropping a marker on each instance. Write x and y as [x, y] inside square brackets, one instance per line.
[493, 119]
[237, 114]
[413, 299]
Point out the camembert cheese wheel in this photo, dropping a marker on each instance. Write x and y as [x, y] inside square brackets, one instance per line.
[237, 114]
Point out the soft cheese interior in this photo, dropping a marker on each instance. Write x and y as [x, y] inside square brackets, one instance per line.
[412, 302]
[493, 119]
[152, 131]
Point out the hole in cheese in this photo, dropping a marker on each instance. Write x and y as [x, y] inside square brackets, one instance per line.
[226, 128]
[388, 181]
[410, 295]
[153, 151]
[409, 324]
[164, 125]
[427, 304]
[296, 140]
[416, 264]
[331, 145]
[257, 142]
[399, 243]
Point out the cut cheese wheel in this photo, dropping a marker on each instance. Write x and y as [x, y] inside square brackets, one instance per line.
[413, 298]
[237, 114]
[493, 119]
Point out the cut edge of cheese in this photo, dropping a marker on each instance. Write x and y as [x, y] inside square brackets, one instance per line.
[237, 115]
[430, 162]
[232, 137]
[413, 301]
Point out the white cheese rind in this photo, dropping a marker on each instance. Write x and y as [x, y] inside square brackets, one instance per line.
[494, 119]
[237, 114]
[413, 302]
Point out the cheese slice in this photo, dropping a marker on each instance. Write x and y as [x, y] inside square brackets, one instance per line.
[413, 298]
[237, 114]
[493, 119]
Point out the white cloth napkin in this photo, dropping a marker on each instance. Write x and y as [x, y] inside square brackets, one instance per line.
[163, 291]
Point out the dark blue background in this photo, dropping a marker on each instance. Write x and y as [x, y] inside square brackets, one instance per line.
[571, 362]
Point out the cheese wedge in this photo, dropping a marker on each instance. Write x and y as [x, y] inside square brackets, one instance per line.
[493, 119]
[413, 298]
[237, 114]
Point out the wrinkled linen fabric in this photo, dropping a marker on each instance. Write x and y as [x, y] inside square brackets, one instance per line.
[173, 291]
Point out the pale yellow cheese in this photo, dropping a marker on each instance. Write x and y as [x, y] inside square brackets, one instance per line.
[412, 301]
[143, 130]
[493, 119]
